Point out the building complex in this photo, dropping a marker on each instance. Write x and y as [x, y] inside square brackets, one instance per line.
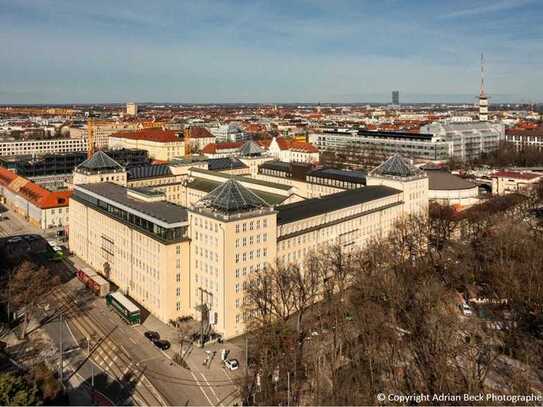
[178, 256]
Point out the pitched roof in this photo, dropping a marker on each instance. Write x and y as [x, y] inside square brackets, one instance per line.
[397, 166]
[226, 163]
[317, 206]
[283, 143]
[152, 134]
[207, 186]
[231, 196]
[250, 148]
[303, 146]
[149, 171]
[34, 193]
[100, 161]
[200, 132]
[212, 148]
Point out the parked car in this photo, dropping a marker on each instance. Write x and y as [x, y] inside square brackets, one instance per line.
[162, 344]
[231, 364]
[152, 335]
[466, 310]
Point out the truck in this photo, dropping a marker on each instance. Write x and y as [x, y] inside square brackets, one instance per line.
[126, 309]
[93, 281]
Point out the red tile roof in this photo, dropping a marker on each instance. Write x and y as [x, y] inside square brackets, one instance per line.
[152, 134]
[34, 193]
[200, 132]
[303, 146]
[517, 175]
[212, 148]
[283, 143]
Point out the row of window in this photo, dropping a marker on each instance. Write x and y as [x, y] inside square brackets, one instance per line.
[252, 225]
[251, 240]
[251, 255]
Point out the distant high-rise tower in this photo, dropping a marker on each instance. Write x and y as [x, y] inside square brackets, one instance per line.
[483, 98]
[131, 109]
[396, 97]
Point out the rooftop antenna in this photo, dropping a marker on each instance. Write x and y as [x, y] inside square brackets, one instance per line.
[482, 75]
[483, 99]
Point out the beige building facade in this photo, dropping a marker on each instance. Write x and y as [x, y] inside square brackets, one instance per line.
[196, 259]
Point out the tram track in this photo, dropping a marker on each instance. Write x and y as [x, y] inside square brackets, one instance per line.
[108, 355]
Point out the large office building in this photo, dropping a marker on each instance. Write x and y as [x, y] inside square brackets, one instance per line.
[365, 149]
[178, 260]
[468, 141]
[42, 146]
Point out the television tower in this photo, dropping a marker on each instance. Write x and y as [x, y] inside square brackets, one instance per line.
[483, 98]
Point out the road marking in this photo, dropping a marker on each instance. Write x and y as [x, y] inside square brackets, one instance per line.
[132, 340]
[210, 387]
[165, 354]
[201, 389]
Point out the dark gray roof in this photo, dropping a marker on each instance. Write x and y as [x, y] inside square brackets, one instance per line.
[162, 210]
[231, 196]
[397, 166]
[357, 177]
[205, 185]
[444, 180]
[149, 171]
[317, 206]
[226, 163]
[240, 178]
[250, 148]
[276, 165]
[99, 162]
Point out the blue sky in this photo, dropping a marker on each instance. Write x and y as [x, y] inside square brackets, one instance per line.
[62, 51]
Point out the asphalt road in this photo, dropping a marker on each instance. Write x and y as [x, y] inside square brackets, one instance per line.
[126, 366]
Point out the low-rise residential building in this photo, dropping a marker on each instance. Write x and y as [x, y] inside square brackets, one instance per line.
[39, 206]
[506, 182]
[221, 150]
[162, 145]
[293, 151]
[199, 137]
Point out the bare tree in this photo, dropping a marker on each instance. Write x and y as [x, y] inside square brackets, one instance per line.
[27, 287]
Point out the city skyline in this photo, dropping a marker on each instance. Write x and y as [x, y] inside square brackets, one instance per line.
[231, 52]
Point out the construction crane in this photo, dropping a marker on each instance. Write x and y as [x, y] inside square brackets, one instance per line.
[90, 137]
[186, 139]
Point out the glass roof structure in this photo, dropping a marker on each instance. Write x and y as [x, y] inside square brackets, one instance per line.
[231, 196]
[397, 166]
[99, 162]
[250, 148]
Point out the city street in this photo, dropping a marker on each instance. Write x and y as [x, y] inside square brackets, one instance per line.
[123, 353]
[126, 366]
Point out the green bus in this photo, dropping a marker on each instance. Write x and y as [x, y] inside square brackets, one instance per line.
[124, 307]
